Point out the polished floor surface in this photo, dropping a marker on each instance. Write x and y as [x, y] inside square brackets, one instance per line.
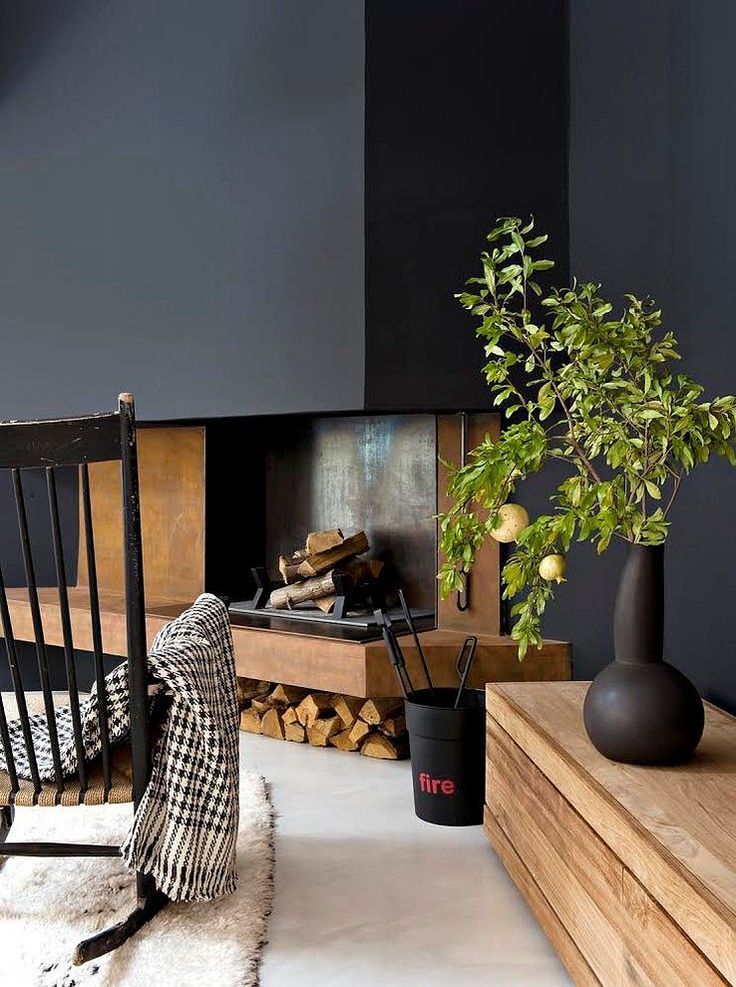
[367, 895]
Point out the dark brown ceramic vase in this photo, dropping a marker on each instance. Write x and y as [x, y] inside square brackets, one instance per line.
[640, 709]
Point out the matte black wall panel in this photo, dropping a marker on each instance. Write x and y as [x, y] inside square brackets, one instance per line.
[235, 478]
[652, 208]
[181, 206]
[466, 120]
[39, 524]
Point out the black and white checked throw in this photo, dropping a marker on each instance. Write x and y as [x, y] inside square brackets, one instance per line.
[186, 825]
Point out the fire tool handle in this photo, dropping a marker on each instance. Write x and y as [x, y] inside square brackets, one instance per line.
[412, 627]
[394, 652]
[472, 643]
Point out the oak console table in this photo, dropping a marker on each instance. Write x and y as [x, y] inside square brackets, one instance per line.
[630, 871]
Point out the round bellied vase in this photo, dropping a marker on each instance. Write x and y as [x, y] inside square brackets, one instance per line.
[640, 709]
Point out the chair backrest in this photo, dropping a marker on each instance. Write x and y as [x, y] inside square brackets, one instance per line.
[49, 445]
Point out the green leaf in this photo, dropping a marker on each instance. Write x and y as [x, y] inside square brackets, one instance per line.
[517, 240]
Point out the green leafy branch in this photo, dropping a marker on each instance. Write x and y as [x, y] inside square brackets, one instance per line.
[583, 386]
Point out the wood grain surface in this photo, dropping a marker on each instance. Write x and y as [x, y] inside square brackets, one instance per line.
[544, 913]
[625, 934]
[673, 830]
[349, 667]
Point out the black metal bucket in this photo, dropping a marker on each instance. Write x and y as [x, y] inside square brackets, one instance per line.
[447, 755]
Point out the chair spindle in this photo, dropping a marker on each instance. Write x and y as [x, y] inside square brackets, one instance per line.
[7, 749]
[41, 654]
[66, 627]
[20, 697]
[94, 605]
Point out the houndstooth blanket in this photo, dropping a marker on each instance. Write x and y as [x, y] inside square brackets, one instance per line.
[184, 829]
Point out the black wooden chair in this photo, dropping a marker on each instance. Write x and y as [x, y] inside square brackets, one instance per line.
[120, 775]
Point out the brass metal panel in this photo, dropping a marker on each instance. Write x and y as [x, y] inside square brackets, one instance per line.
[483, 615]
[171, 470]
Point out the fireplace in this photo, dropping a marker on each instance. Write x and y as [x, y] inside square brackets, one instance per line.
[223, 497]
[370, 474]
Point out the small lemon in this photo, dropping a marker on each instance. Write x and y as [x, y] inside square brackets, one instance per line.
[552, 568]
[512, 519]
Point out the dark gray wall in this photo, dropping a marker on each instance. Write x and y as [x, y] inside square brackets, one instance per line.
[652, 210]
[181, 206]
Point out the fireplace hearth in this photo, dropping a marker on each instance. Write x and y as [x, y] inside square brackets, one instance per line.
[357, 625]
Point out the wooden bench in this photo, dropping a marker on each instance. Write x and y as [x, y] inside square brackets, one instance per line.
[631, 871]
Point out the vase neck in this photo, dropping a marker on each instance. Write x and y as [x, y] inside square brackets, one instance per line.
[638, 618]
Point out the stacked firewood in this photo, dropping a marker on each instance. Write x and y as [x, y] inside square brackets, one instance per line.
[310, 573]
[374, 727]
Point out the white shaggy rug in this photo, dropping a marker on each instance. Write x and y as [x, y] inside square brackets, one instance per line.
[47, 905]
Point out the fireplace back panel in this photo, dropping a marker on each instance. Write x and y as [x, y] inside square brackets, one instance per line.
[377, 473]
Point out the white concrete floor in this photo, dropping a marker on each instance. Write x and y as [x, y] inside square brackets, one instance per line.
[367, 895]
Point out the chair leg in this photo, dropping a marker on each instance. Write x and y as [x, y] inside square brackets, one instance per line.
[116, 935]
[7, 814]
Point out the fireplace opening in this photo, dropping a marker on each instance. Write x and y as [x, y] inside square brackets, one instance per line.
[373, 479]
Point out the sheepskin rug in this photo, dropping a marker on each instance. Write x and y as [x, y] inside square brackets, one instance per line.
[48, 905]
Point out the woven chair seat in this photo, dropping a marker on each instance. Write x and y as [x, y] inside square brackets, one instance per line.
[121, 789]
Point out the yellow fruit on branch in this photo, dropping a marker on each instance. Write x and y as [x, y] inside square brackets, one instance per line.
[552, 568]
[512, 519]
